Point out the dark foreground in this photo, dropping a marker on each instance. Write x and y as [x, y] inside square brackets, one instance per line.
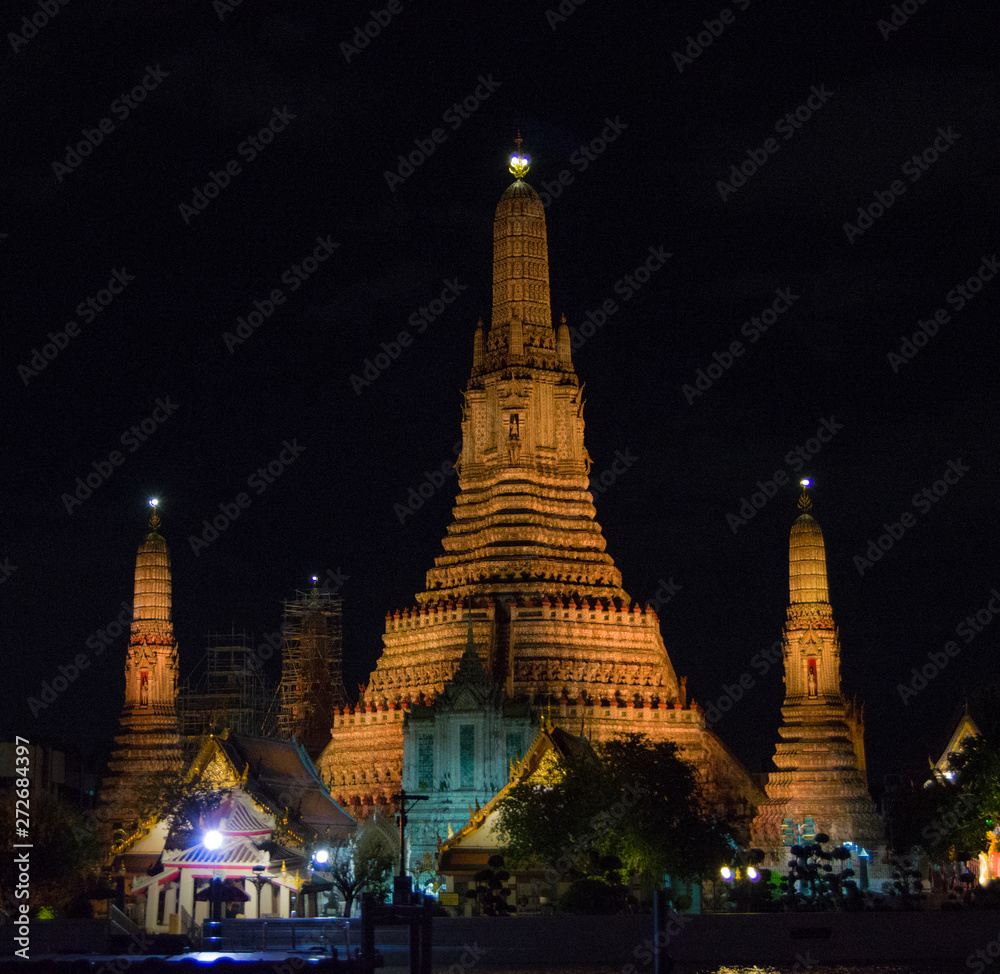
[892, 943]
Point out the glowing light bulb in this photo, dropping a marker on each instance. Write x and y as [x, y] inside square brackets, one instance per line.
[321, 856]
[727, 873]
[212, 840]
[153, 501]
[806, 482]
[752, 874]
[519, 165]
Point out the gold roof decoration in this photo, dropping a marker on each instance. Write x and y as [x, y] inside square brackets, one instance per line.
[519, 164]
[805, 501]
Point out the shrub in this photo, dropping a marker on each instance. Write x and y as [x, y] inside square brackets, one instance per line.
[594, 895]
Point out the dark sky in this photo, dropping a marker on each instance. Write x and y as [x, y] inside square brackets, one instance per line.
[660, 134]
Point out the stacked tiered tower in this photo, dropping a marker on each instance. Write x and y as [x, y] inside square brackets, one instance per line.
[820, 784]
[524, 559]
[150, 741]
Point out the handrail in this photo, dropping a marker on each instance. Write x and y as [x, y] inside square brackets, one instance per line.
[116, 918]
[189, 928]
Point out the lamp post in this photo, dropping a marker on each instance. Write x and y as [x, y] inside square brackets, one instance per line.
[216, 894]
[319, 861]
[401, 889]
[259, 881]
[120, 887]
[212, 841]
[742, 869]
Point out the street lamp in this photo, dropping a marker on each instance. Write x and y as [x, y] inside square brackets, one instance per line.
[259, 881]
[741, 873]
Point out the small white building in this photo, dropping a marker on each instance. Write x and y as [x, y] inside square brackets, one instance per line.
[274, 813]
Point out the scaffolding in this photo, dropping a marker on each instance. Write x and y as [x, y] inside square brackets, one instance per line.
[312, 683]
[226, 689]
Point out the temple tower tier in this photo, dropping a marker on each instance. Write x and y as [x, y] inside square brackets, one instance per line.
[149, 741]
[820, 785]
[524, 520]
[524, 577]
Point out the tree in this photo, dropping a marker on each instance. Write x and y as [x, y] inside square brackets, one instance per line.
[906, 883]
[814, 883]
[601, 891]
[354, 872]
[666, 831]
[975, 793]
[490, 892]
[66, 851]
[549, 817]
[630, 798]
[183, 801]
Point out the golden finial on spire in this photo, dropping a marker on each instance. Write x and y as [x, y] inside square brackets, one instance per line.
[805, 501]
[154, 520]
[519, 164]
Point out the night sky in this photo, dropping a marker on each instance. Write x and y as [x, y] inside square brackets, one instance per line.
[824, 110]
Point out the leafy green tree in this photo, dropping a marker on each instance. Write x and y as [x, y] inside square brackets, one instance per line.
[549, 818]
[183, 800]
[631, 798]
[975, 793]
[66, 850]
[666, 830]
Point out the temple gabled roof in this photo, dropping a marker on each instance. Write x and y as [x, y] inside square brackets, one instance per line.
[280, 775]
[977, 715]
[470, 682]
[273, 792]
[549, 740]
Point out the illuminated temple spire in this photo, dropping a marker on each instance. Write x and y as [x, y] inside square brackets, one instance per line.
[806, 557]
[820, 779]
[153, 586]
[524, 560]
[524, 518]
[149, 742]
